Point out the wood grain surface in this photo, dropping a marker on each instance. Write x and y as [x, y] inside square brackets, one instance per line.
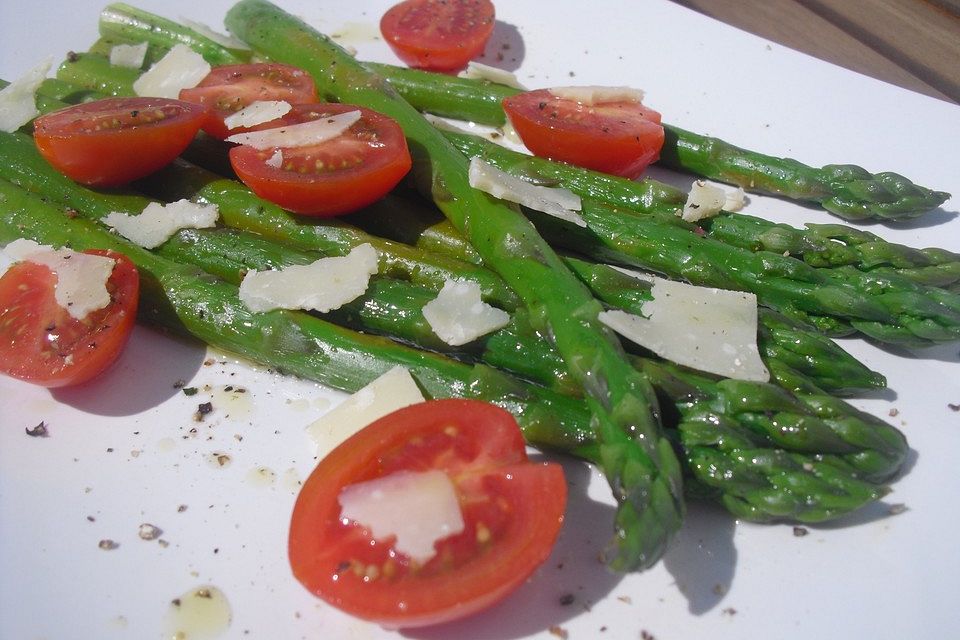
[914, 44]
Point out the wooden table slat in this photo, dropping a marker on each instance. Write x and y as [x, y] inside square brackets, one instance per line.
[913, 44]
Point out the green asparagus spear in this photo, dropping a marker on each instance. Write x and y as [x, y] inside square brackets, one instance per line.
[762, 415]
[828, 366]
[886, 308]
[923, 323]
[804, 352]
[817, 245]
[638, 460]
[188, 301]
[848, 191]
[123, 22]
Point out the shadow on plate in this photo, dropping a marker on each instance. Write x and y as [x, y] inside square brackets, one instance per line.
[567, 584]
[703, 558]
[146, 375]
[505, 49]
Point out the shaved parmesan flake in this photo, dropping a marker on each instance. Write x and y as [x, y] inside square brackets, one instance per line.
[323, 285]
[276, 160]
[157, 223]
[181, 68]
[81, 277]
[130, 56]
[458, 316]
[597, 95]
[417, 508]
[707, 329]
[298, 135]
[393, 390]
[560, 203]
[257, 113]
[735, 200]
[18, 100]
[220, 38]
[480, 71]
[703, 201]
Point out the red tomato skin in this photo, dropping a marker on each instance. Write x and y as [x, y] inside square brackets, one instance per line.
[374, 149]
[619, 138]
[30, 317]
[520, 503]
[229, 88]
[438, 35]
[112, 155]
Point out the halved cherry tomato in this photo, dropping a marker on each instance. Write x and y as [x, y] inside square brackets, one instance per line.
[338, 176]
[230, 88]
[40, 342]
[439, 35]
[113, 141]
[621, 138]
[512, 511]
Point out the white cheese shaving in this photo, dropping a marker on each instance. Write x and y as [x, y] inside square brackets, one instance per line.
[735, 200]
[157, 222]
[326, 284]
[591, 95]
[130, 56]
[276, 160]
[393, 390]
[298, 135]
[480, 71]
[557, 202]
[18, 100]
[707, 329]
[220, 38]
[703, 201]
[458, 316]
[416, 508]
[257, 113]
[181, 68]
[81, 277]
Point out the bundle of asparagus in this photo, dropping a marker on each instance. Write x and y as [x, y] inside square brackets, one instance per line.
[765, 452]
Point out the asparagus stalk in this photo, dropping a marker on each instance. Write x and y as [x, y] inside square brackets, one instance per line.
[800, 350]
[763, 415]
[217, 257]
[638, 460]
[808, 354]
[818, 245]
[187, 301]
[840, 460]
[887, 307]
[845, 190]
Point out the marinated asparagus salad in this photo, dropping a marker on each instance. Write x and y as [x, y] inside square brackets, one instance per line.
[481, 297]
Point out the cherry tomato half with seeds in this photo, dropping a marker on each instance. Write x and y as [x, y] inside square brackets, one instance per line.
[438, 35]
[621, 138]
[40, 342]
[110, 142]
[229, 88]
[339, 175]
[512, 510]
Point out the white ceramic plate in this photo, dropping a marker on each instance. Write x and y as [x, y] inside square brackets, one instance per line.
[126, 450]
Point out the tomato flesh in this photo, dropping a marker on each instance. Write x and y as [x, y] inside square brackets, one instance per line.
[110, 142]
[621, 138]
[438, 35]
[229, 88]
[337, 176]
[512, 511]
[40, 342]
